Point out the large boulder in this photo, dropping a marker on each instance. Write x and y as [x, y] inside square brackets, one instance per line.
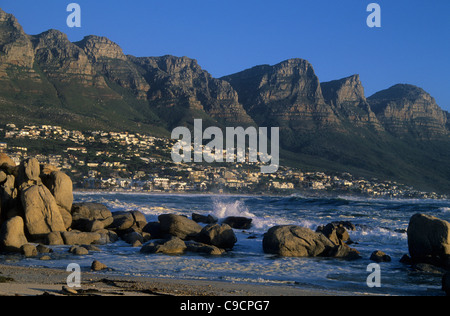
[60, 185]
[428, 239]
[199, 247]
[29, 173]
[238, 222]
[207, 219]
[42, 214]
[80, 238]
[170, 246]
[9, 198]
[336, 232]
[153, 229]
[6, 160]
[221, 236]
[179, 226]
[12, 236]
[296, 241]
[125, 222]
[91, 216]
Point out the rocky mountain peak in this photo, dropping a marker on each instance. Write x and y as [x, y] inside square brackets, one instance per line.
[98, 47]
[180, 83]
[348, 89]
[287, 94]
[409, 110]
[15, 46]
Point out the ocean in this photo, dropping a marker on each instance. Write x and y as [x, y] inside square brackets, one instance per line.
[380, 225]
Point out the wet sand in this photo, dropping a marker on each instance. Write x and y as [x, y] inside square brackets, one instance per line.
[26, 281]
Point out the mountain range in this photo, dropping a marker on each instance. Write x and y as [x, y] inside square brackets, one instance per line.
[396, 134]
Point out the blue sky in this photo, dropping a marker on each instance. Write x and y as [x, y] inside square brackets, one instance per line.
[227, 36]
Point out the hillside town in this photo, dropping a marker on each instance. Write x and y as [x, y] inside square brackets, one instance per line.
[122, 161]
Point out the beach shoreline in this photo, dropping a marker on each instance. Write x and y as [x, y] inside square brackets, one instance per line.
[36, 281]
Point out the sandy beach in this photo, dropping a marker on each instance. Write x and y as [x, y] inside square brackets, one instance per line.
[27, 281]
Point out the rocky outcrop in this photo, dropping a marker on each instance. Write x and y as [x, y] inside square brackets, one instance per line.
[5, 160]
[296, 241]
[15, 46]
[109, 60]
[179, 226]
[90, 217]
[407, 110]
[171, 246]
[286, 95]
[12, 236]
[180, 83]
[347, 97]
[62, 60]
[336, 232]
[238, 222]
[429, 240]
[42, 215]
[221, 236]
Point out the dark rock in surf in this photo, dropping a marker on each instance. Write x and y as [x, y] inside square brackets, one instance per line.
[209, 219]
[429, 239]
[221, 236]
[238, 222]
[380, 256]
[179, 226]
[296, 241]
[170, 246]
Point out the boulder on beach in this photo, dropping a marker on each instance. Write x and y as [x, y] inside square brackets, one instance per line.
[9, 198]
[297, 241]
[61, 186]
[6, 160]
[171, 246]
[98, 266]
[336, 232]
[12, 236]
[428, 239]
[179, 226]
[206, 219]
[29, 250]
[125, 222]
[153, 229]
[42, 214]
[91, 211]
[53, 239]
[221, 236]
[78, 250]
[199, 247]
[80, 238]
[238, 222]
[380, 256]
[29, 173]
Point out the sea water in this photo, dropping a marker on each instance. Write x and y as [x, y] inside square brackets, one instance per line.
[380, 225]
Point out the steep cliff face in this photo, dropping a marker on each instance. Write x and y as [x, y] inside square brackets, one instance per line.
[287, 95]
[406, 110]
[62, 60]
[15, 46]
[109, 60]
[347, 97]
[181, 82]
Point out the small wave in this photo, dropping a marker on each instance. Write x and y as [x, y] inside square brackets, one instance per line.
[236, 208]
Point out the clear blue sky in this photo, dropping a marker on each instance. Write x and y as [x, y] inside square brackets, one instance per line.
[227, 36]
